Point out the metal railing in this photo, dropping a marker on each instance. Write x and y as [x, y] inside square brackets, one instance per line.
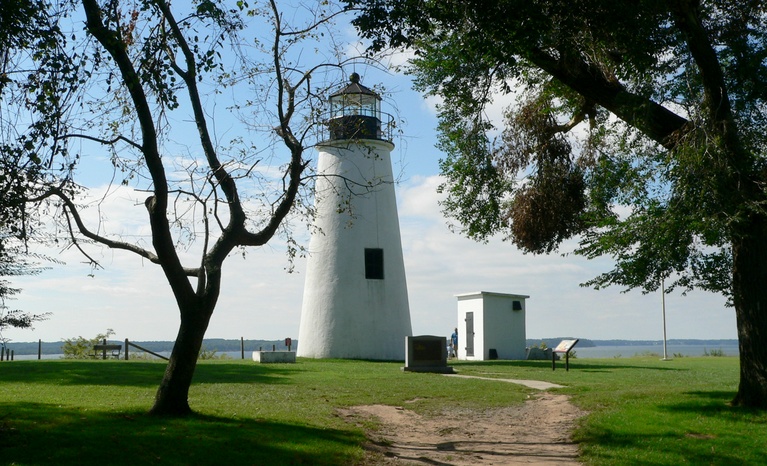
[356, 126]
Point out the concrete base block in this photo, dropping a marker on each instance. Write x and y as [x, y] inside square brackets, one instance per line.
[274, 356]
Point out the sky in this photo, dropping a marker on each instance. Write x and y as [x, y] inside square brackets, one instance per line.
[260, 299]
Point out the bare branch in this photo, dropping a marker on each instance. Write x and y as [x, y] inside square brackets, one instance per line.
[106, 142]
[72, 210]
[93, 262]
[312, 26]
[190, 79]
[157, 204]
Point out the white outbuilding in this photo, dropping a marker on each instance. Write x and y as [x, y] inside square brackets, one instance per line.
[491, 326]
[355, 303]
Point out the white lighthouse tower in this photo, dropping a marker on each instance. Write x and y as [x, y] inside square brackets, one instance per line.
[355, 297]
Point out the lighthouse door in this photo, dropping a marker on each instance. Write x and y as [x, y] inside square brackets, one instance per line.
[469, 334]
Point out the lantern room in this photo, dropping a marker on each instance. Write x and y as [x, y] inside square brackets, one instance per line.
[355, 112]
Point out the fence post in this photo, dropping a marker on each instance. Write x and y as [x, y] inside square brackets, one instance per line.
[126, 349]
[242, 347]
[12, 354]
[39, 349]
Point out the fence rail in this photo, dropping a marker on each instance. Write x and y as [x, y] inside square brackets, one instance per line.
[127, 344]
[103, 349]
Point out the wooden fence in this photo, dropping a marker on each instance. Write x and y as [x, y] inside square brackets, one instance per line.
[129, 344]
[115, 350]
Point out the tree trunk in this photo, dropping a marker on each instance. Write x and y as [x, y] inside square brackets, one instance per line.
[172, 397]
[750, 298]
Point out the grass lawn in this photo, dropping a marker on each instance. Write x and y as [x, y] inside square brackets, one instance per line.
[641, 410]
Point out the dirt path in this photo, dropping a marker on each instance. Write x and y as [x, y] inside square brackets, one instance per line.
[536, 433]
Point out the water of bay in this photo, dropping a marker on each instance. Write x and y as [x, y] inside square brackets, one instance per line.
[626, 351]
[620, 351]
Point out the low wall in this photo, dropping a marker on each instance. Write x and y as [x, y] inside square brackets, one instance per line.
[539, 353]
[274, 356]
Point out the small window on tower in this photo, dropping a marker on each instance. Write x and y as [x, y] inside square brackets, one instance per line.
[374, 268]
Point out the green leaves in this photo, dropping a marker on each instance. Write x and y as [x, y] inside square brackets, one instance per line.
[661, 188]
[14, 262]
[81, 347]
[474, 185]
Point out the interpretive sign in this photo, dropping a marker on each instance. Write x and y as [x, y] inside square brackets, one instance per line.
[564, 346]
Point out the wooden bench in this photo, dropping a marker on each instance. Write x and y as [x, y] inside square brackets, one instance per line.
[564, 346]
[103, 348]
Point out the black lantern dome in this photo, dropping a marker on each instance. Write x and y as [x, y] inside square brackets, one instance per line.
[355, 112]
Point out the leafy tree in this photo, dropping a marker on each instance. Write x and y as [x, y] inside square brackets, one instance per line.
[13, 263]
[19, 26]
[202, 109]
[639, 127]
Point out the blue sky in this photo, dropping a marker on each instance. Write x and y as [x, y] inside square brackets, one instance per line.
[260, 300]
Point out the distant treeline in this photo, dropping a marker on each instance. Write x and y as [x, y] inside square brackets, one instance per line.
[586, 343]
[553, 342]
[222, 345]
[219, 345]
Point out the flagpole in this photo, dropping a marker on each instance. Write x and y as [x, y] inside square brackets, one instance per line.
[663, 307]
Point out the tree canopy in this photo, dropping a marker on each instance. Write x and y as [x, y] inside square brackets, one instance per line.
[639, 129]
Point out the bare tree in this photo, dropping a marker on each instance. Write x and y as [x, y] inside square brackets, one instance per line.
[147, 88]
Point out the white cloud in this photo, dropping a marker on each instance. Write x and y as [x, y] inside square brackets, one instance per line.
[260, 300]
[441, 264]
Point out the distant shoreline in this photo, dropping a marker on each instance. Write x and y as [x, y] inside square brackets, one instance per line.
[219, 345]
[228, 345]
[588, 343]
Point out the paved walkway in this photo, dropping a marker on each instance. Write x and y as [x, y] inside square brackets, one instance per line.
[537, 384]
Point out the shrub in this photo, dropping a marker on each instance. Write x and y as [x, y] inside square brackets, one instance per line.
[714, 352]
[210, 354]
[82, 348]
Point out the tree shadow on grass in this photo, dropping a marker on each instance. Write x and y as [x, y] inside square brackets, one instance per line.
[575, 364]
[42, 434]
[244, 373]
[705, 430]
[716, 403]
[619, 448]
[136, 374]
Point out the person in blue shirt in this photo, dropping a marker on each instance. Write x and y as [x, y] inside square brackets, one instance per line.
[454, 343]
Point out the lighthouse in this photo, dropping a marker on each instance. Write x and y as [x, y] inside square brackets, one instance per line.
[355, 303]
